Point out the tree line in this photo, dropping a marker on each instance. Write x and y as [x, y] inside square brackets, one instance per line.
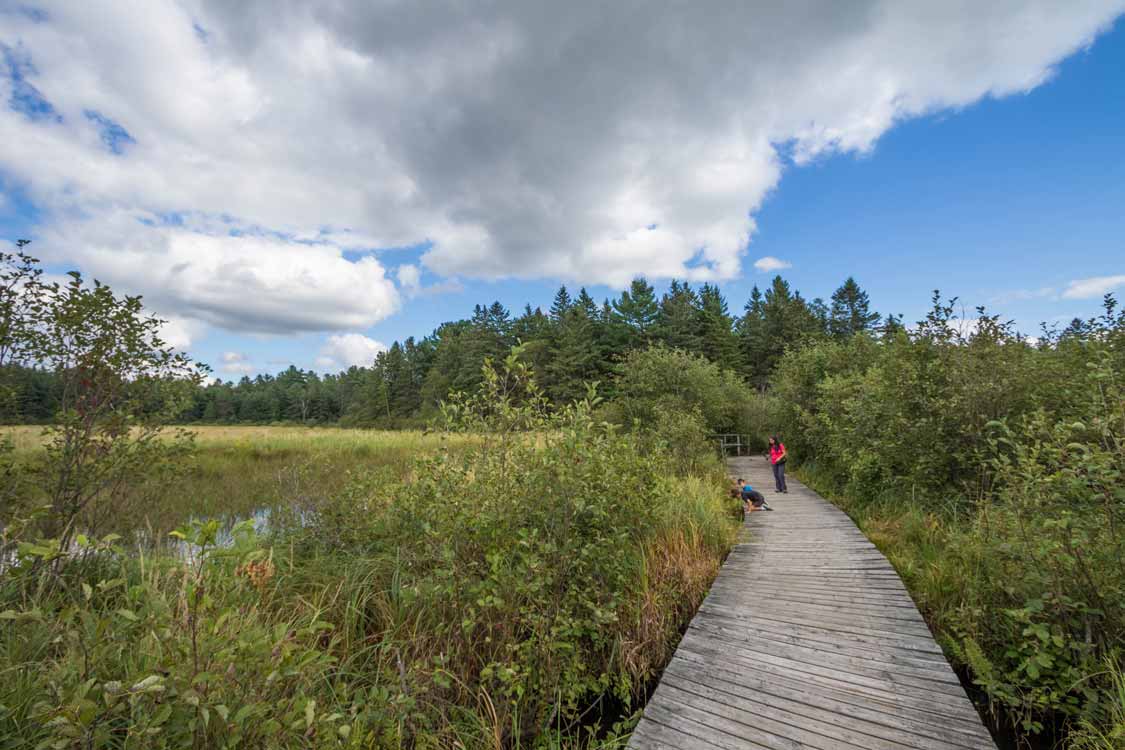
[576, 341]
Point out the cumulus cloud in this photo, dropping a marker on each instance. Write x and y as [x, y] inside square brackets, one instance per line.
[347, 349]
[178, 332]
[254, 283]
[237, 363]
[236, 173]
[1095, 286]
[409, 278]
[770, 263]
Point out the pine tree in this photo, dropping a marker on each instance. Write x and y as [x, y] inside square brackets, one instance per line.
[636, 311]
[779, 320]
[892, 326]
[678, 322]
[575, 357]
[587, 304]
[717, 338]
[850, 314]
[561, 304]
[751, 339]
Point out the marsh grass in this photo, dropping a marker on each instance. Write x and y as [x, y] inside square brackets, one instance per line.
[443, 590]
[238, 471]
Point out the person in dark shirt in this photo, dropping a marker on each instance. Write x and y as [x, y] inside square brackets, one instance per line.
[754, 500]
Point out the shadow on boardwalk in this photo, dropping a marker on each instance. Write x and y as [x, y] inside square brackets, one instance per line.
[808, 639]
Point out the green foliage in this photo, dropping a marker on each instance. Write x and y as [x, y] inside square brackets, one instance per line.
[678, 381]
[490, 596]
[773, 323]
[118, 384]
[1107, 730]
[850, 314]
[990, 470]
[575, 342]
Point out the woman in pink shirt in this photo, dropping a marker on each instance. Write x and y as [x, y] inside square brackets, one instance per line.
[777, 460]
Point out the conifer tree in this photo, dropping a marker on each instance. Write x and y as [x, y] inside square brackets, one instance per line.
[850, 314]
[586, 302]
[751, 339]
[717, 338]
[636, 311]
[575, 357]
[561, 304]
[678, 322]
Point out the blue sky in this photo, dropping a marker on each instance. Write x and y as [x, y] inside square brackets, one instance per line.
[986, 161]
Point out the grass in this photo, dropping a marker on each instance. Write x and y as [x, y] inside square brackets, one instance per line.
[445, 591]
[237, 471]
[952, 560]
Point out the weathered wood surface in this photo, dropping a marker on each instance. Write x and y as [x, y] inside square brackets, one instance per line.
[807, 639]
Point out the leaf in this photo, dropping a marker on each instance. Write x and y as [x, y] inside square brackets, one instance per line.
[151, 684]
[310, 712]
[162, 714]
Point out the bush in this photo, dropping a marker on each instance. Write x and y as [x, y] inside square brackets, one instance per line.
[672, 379]
[502, 594]
[991, 472]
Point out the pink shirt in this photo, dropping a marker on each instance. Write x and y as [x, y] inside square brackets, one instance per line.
[776, 451]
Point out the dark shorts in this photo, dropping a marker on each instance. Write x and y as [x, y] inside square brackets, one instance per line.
[754, 498]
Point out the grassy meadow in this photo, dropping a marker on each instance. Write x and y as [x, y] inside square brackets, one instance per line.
[236, 471]
[448, 589]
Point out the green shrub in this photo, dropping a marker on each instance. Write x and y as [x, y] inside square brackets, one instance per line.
[677, 380]
[499, 594]
[990, 471]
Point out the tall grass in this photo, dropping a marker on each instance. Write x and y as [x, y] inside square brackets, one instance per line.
[441, 591]
[235, 472]
[1107, 733]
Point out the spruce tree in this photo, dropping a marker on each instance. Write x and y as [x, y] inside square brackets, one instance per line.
[718, 341]
[636, 311]
[586, 302]
[678, 322]
[751, 339]
[850, 314]
[561, 304]
[574, 356]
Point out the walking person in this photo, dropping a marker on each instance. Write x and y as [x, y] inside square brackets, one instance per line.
[777, 462]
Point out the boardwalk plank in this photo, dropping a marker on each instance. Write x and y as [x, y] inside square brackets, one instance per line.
[807, 639]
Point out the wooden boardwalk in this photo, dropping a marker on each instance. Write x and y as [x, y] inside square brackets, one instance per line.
[808, 639]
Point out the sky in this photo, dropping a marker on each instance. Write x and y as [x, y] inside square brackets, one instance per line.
[289, 184]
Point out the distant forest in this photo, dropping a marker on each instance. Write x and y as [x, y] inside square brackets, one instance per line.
[576, 341]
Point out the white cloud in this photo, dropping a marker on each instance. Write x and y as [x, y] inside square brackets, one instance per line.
[1022, 295]
[770, 263]
[239, 368]
[237, 363]
[347, 349]
[179, 333]
[254, 284]
[519, 139]
[409, 278]
[1095, 286]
